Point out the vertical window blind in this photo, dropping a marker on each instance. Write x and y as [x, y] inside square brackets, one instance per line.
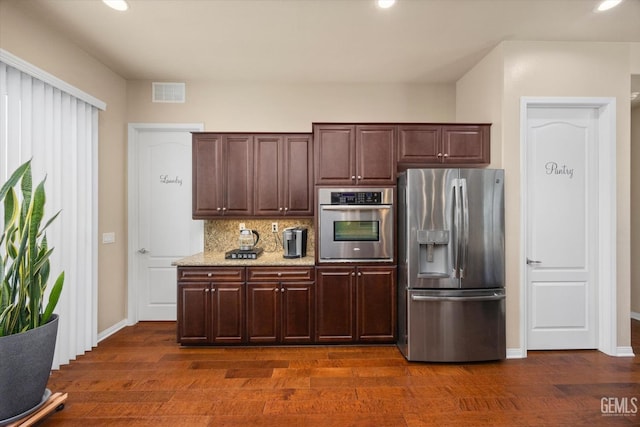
[48, 121]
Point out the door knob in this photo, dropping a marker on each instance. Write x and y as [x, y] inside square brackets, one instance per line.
[143, 251]
[533, 262]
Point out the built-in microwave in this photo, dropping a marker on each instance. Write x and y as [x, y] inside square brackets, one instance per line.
[355, 224]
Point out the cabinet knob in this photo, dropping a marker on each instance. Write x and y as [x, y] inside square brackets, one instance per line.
[279, 274]
[353, 177]
[280, 209]
[209, 274]
[224, 208]
[206, 290]
[446, 155]
[359, 176]
[218, 209]
[359, 274]
[286, 209]
[281, 289]
[213, 290]
[439, 154]
[353, 274]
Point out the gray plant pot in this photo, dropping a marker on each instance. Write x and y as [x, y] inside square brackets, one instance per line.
[25, 366]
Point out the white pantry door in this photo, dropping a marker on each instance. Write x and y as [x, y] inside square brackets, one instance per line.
[164, 230]
[561, 240]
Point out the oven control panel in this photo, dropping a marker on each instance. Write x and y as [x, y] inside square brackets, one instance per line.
[356, 198]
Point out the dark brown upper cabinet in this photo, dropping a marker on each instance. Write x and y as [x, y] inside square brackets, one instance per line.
[283, 178]
[421, 145]
[222, 175]
[347, 154]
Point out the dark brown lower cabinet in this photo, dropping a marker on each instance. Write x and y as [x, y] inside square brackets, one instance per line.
[211, 306]
[356, 304]
[286, 305]
[280, 304]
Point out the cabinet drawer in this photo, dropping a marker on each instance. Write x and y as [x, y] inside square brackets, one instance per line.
[280, 274]
[219, 274]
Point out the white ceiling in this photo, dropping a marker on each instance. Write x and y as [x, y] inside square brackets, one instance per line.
[347, 41]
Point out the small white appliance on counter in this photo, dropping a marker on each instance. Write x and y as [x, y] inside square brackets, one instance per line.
[294, 242]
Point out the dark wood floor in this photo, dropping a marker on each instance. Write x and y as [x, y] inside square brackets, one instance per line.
[140, 377]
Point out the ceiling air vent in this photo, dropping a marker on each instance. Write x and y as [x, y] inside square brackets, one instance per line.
[168, 92]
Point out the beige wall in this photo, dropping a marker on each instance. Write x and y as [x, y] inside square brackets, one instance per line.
[292, 107]
[31, 41]
[554, 69]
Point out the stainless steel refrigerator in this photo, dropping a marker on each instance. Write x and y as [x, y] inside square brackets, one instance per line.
[451, 265]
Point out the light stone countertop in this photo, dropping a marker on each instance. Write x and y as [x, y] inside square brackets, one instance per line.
[216, 259]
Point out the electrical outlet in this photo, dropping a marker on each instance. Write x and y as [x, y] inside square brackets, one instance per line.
[241, 226]
[274, 227]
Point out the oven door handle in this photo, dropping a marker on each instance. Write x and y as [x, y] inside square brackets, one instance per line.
[354, 207]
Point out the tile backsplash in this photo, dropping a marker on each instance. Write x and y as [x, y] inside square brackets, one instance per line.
[221, 235]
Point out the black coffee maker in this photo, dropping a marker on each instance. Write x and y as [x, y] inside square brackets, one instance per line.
[294, 242]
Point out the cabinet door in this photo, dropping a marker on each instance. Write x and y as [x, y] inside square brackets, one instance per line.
[297, 312]
[375, 155]
[238, 177]
[227, 313]
[207, 200]
[466, 144]
[334, 154]
[335, 303]
[419, 145]
[267, 177]
[377, 318]
[194, 306]
[262, 312]
[297, 172]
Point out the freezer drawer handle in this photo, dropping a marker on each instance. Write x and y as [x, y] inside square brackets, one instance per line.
[354, 207]
[533, 262]
[495, 297]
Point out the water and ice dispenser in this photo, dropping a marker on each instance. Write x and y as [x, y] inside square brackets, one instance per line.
[434, 253]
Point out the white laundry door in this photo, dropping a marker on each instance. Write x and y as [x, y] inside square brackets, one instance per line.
[165, 230]
[561, 227]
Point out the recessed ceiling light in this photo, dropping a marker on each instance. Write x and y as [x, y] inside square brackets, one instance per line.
[608, 4]
[385, 4]
[120, 5]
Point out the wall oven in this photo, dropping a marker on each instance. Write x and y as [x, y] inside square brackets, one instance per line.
[355, 224]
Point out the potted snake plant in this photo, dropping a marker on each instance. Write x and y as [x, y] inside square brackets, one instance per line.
[28, 327]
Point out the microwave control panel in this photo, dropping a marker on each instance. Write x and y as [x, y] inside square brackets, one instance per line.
[356, 198]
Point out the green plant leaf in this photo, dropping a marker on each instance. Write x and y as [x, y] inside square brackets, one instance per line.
[14, 178]
[54, 296]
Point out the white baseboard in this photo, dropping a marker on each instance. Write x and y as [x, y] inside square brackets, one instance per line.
[515, 353]
[635, 316]
[112, 330]
[626, 351]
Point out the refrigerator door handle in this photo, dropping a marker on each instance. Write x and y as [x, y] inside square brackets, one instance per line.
[464, 244]
[495, 297]
[456, 229]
